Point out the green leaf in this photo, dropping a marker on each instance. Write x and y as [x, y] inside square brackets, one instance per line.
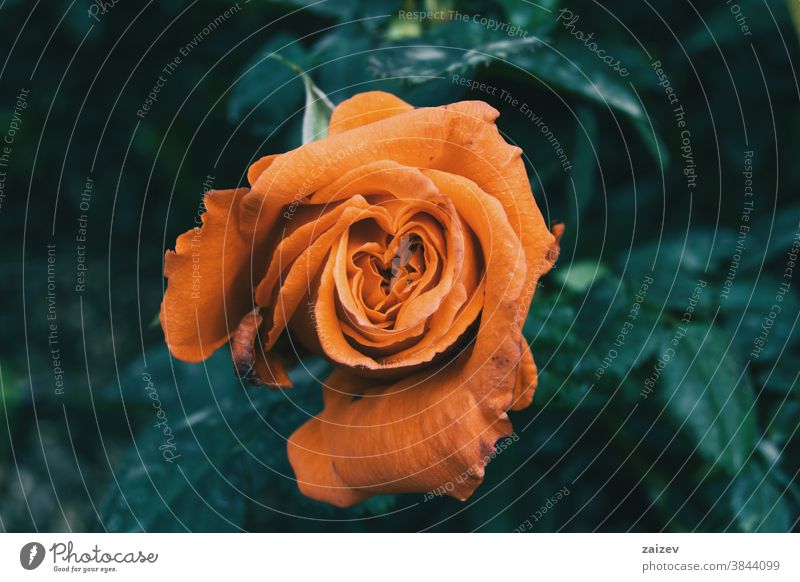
[438, 55]
[533, 16]
[794, 10]
[719, 26]
[181, 475]
[12, 396]
[771, 236]
[584, 161]
[343, 68]
[658, 149]
[552, 69]
[267, 93]
[560, 352]
[349, 10]
[779, 378]
[318, 108]
[402, 29]
[757, 502]
[228, 462]
[317, 114]
[624, 329]
[224, 445]
[678, 263]
[580, 275]
[784, 422]
[708, 394]
[548, 320]
[750, 307]
[11, 391]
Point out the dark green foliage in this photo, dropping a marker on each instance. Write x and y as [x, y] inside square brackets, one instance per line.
[666, 339]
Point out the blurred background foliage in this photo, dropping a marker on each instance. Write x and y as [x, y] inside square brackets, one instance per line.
[712, 445]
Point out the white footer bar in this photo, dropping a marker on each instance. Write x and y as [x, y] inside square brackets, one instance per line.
[389, 557]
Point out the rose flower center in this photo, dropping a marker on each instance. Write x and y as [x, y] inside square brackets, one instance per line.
[387, 273]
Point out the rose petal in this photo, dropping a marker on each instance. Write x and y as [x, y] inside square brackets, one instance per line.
[258, 167]
[319, 480]
[294, 244]
[363, 109]
[457, 138]
[297, 282]
[209, 286]
[423, 433]
[526, 379]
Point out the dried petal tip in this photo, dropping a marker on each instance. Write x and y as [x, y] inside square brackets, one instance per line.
[251, 362]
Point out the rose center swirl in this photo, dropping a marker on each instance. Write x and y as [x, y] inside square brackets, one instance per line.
[385, 272]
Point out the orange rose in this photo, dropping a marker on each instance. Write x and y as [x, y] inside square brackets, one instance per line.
[405, 247]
